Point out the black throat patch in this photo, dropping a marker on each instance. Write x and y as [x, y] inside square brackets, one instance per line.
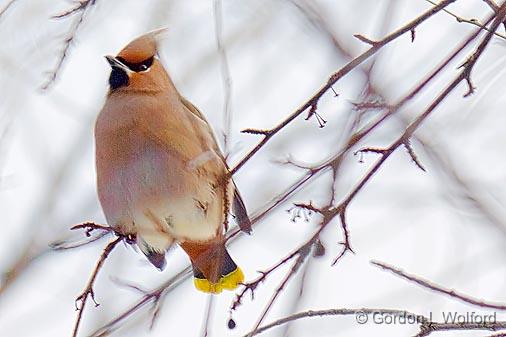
[118, 78]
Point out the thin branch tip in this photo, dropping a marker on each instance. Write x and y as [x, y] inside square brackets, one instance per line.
[313, 112]
[265, 133]
[365, 40]
[437, 288]
[412, 154]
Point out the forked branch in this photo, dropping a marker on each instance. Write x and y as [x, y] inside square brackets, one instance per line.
[88, 291]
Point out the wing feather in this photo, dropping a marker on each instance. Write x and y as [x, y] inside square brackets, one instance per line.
[238, 206]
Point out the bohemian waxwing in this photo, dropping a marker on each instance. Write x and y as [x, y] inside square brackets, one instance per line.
[161, 177]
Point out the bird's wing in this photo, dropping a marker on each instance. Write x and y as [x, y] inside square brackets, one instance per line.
[238, 206]
[193, 109]
[240, 212]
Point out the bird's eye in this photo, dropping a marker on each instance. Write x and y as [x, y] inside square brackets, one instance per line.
[144, 65]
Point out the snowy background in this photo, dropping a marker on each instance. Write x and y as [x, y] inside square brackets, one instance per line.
[447, 225]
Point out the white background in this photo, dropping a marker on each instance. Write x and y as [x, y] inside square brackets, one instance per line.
[279, 57]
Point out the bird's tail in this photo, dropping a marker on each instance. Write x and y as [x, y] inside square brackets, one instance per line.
[213, 268]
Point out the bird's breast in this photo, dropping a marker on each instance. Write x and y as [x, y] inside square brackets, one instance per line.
[155, 170]
[143, 185]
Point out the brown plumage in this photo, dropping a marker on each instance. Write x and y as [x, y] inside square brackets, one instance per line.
[160, 172]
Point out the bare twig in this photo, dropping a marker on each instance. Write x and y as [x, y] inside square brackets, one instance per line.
[302, 255]
[465, 74]
[299, 291]
[337, 76]
[426, 326]
[473, 22]
[365, 40]
[412, 154]
[6, 8]
[251, 286]
[313, 112]
[430, 327]
[336, 312]
[91, 226]
[80, 6]
[80, 10]
[439, 289]
[354, 139]
[346, 244]
[88, 291]
[151, 297]
[494, 7]
[65, 245]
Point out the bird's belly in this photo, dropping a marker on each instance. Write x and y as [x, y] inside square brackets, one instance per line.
[161, 197]
[183, 219]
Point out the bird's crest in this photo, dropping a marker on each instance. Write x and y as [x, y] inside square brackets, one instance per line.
[143, 47]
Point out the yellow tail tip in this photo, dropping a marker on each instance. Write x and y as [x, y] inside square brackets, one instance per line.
[228, 282]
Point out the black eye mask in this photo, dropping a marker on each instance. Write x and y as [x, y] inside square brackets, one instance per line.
[138, 67]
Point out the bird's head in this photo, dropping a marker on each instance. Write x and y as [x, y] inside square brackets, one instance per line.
[137, 67]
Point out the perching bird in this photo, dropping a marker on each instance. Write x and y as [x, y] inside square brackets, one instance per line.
[161, 176]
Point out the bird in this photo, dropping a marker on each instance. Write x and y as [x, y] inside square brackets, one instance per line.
[161, 176]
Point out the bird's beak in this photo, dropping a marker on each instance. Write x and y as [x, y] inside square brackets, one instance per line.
[115, 63]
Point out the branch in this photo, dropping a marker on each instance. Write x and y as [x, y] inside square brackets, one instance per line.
[257, 132]
[80, 6]
[66, 245]
[346, 244]
[494, 7]
[155, 295]
[300, 210]
[412, 154]
[437, 288]
[251, 286]
[91, 226]
[362, 317]
[308, 177]
[6, 8]
[302, 255]
[268, 134]
[464, 75]
[313, 112]
[385, 153]
[365, 40]
[80, 10]
[430, 327]
[88, 291]
[473, 22]
[151, 297]
[336, 312]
